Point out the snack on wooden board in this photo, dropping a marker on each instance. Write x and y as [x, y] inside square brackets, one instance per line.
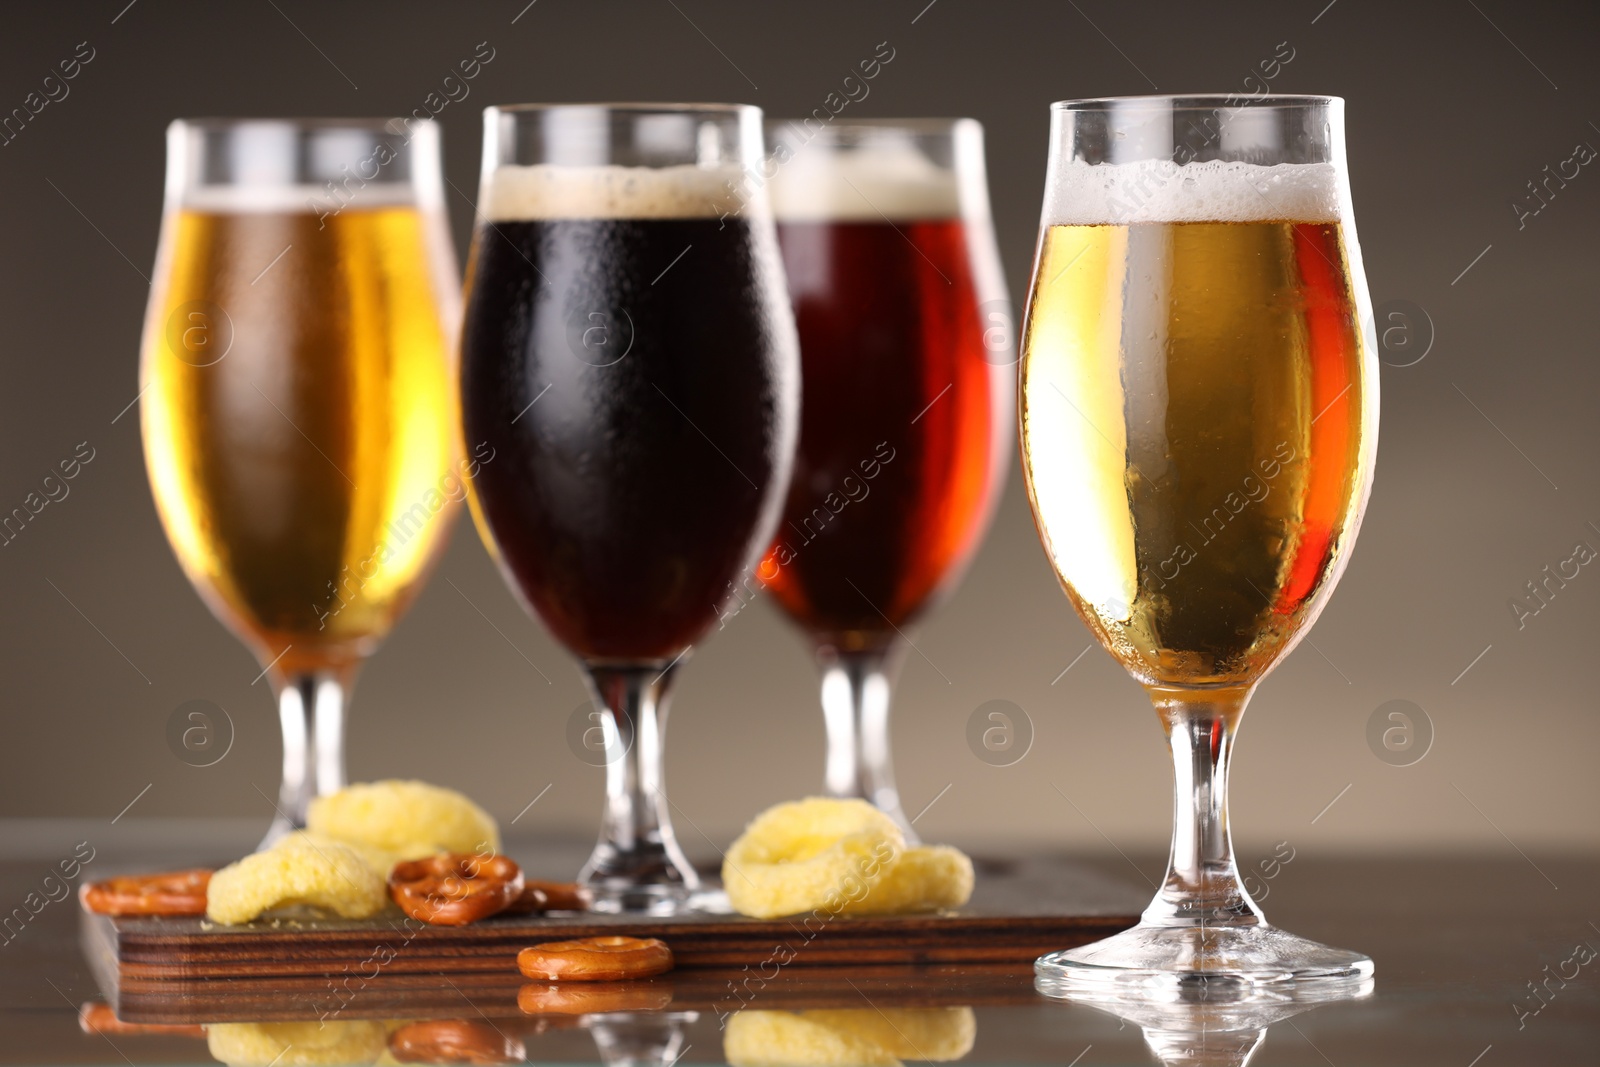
[169, 893]
[404, 816]
[842, 857]
[455, 888]
[301, 870]
[596, 959]
[923, 878]
[809, 854]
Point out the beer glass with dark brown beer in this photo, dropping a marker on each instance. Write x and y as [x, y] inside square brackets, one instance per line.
[630, 356]
[908, 382]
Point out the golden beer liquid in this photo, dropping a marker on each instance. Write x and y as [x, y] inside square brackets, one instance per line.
[298, 418]
[1199, 411]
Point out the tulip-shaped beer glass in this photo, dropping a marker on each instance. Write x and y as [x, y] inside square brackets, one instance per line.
[1199, 415]
[909, 364]
[630, 357]
[297, 411]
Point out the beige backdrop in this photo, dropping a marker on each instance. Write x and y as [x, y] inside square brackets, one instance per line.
[1486, 470]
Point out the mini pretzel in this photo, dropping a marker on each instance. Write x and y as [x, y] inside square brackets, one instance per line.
[454, 1041]
[538, 998]
[171, 893]
[532, 901]
[551, 896]
[595, 959]
[98, 1018]
[455, 888]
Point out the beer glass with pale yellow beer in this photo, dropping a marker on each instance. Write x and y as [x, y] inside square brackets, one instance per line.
[1199, 419]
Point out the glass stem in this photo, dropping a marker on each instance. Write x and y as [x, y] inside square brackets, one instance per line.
[855, 708]
[311, 714]
[637, 865]
[1202, 886]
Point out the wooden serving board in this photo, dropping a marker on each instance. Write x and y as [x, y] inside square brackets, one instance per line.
[1018, 911]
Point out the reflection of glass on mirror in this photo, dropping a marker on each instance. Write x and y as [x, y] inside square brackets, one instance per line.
[1215, 1023]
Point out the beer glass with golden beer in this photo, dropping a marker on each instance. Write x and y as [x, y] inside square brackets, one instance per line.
[1199, 417]
[298, 411]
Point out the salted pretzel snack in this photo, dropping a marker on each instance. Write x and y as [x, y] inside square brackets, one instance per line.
[455, 888]
[169, 893]
[454, 1041]
[809, 854]
[405, 817]
[587, 998]
[531, 901]
[556, 896]
[301, 870]
[595, 959]
[334, 1041]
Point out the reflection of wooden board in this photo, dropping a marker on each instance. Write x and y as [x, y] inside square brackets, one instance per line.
[1018, 911]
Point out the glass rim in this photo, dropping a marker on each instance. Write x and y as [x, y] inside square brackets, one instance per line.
[919, 125]
[626, 108]
[372, 124]
[1219, 101]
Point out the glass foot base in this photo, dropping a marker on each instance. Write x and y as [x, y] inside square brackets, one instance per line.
[1177, 962]
[658, 900]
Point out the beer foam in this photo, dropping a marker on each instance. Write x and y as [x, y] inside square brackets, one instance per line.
[551, 191]
[247, 199]
[1160, 190]
[864, 185]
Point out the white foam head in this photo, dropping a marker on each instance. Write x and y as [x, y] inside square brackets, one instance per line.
[550, 191]
[889, 179]
[1160, 190]
[315, 199]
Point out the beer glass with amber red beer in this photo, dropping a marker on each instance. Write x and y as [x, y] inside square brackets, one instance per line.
[630, 356]
[906, 418]
[1199, 425]
[297, 402]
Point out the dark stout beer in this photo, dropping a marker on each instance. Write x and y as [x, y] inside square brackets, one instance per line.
[629, 359]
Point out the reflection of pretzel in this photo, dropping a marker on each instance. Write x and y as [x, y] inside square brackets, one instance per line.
[455, 888]
[595, 959]
[538, 998]
[454, 1041]
[170, 893]
[550, 896]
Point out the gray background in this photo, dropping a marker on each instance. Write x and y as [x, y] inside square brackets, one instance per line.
[1486, 470]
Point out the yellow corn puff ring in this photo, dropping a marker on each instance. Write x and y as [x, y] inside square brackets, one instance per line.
[302, 869]
[403, 816]
[820, 853]
[922, 878]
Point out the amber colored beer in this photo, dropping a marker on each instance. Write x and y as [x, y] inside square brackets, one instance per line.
[901, 423]
[1196, 416]
[297, 421]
